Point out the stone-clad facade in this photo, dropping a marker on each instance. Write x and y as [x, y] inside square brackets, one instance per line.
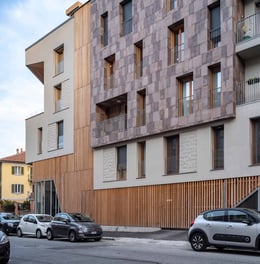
[150, 23]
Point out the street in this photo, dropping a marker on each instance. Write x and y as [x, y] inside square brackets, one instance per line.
[121, 250]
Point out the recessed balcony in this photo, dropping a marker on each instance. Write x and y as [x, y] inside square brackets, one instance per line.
[248, 92]
[248, 37]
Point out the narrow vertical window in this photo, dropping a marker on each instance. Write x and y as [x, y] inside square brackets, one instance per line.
[126, 17]
[57, 97]
[176, 43]
[172, 160]
[141, 159]
[218, 147]
[214, 30]
[39, 140]
[121, 163]
[104, 29]
[215, 86]
[60, 142]
[109, 70]
[186, 100]
[139, 59]
[256, 141]
[59, 60]
[141, 113]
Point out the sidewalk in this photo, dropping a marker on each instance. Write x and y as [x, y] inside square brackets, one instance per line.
[163, 234]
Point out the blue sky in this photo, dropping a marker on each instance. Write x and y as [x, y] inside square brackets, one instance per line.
[22, 22]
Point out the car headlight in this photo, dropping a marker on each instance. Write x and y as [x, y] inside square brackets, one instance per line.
[10, 224]
[4, 239]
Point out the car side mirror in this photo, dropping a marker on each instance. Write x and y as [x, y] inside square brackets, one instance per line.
[67, 221]
[247, 221]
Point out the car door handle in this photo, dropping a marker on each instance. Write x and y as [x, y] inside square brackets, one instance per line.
[230, 226]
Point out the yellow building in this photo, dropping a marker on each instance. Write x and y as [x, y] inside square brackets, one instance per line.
[15, 178]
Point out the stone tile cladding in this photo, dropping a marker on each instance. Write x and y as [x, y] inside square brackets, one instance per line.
[150, 24]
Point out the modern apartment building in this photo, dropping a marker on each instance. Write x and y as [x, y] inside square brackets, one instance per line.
[15, 178]
[159, 106]
[175, 119]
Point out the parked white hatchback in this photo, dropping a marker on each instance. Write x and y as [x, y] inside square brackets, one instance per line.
[34, 224]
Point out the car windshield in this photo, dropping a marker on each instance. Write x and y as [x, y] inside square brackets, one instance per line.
[44, 218]
[81, 218]
[254, 212]
[11, 217]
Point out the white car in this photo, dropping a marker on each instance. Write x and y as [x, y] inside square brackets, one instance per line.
[227, 227]
[34, 224]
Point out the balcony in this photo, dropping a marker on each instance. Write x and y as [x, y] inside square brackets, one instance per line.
[248, 92]
[114, 124]
[248, 37]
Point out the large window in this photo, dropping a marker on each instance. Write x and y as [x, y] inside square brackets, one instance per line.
[126, 17]
[39, 140]
[176, 43]
[214, 30]
[256, 140]
[186, 100]
[141, 159]
[59, 59]
[218, 147]
[215, 85]
[17, 188]
[17, 170]
[57, 97]
[104, 29]
[60, 135]
[109, 71]
[121, 163]
[172, 161]
[141, 113]
[138, 59]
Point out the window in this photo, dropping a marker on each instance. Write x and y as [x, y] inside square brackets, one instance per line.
[39, 140]
[57, 95]
[121, 163]
[141, 101]
[238, 216]
[215, 86]
[176, 43]
[215, 215]
[104, 29]
[60, 135]
[17, 170]
[126, 17]
[256, 140]
[186, 96]
[59, 60]
[218, 147]
[141, 159]
[17, 188]
[214, 31]
[109, 70]
[172, 162]
[170, 4]
[139, 59]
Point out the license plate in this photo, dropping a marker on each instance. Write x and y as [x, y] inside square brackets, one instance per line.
[93, 232]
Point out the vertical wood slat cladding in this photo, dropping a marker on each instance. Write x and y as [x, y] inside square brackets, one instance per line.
[74, 173]
[165, 206]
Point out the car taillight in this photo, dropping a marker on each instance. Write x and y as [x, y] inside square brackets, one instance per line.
[192, 223]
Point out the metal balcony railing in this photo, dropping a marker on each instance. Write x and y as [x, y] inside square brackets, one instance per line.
[249, 91]
[114, 124]
[248, 27]
[177, 54]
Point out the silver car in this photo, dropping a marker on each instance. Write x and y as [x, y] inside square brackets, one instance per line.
[34, 224]
[228, 227]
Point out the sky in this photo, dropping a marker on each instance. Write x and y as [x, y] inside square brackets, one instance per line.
[22, 23]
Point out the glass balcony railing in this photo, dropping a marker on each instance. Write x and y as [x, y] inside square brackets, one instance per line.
[248, 27]
[114, 124]
[249, 91]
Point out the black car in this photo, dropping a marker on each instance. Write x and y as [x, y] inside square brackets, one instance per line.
[74, 226]
[4, 248]
[9, 222]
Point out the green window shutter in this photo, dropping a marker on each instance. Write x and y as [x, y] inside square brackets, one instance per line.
[12, 170]
[22, 188]
[12, 188]
[22, 170]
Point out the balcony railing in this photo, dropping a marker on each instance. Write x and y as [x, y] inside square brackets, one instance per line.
[248, 27]
[215, 37]
[249, 91]
[215, 96]
[177, 54]
[114, 124]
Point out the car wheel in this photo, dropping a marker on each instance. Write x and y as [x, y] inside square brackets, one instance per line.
[19, 232]
[49, 234]
[72, 236]
[38, 233]
[198, 241]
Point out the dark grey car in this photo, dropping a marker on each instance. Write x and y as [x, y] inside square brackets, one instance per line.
[9, 222]
[74, 226]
